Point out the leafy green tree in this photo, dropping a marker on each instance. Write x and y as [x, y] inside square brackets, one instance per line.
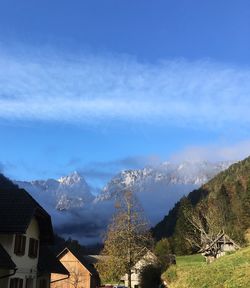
[162, 251]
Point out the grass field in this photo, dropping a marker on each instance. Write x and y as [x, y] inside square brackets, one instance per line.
[230, 271]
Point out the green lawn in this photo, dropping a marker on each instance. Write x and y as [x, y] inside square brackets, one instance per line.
[230, 271]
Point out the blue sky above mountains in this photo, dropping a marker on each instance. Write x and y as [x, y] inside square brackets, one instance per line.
[100, 86]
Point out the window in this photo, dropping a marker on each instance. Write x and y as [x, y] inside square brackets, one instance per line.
[33, 247]
[16, 283]
[43, 283]
[20, 243]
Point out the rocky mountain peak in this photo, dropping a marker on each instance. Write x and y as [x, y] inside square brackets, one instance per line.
[71, 179]
[184, 173]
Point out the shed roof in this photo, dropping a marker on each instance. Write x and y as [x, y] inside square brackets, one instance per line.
[221, 238]
[5, 259]
[17, 208]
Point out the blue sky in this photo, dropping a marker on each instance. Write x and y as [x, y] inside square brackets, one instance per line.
[100, 86]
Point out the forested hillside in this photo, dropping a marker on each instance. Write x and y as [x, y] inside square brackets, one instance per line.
[226, 197]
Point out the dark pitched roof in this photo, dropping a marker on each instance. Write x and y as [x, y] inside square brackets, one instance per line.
[83, 260]
[49, 263]
[5, 259]
[17, 208]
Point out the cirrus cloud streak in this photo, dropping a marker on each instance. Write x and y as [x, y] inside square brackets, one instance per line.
[89, 89]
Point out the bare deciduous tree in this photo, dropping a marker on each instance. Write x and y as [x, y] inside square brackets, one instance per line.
[76, 279]
[207, 222]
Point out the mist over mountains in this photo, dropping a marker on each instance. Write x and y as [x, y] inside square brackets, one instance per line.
[78, 212]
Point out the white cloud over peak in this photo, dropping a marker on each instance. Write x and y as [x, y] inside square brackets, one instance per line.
[215, 152]
[88, 89]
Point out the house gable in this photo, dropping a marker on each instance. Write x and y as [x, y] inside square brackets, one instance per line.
[24, 225]
[21, 208]
[82, 272]
[79, 274]
[67, 257]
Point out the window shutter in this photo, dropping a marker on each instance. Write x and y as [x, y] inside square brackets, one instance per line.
[17, 244]
[20, 244]
[23, 241]
[33, 248]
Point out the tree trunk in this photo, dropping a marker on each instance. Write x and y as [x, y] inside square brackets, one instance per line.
[129, 245]
[129, 278]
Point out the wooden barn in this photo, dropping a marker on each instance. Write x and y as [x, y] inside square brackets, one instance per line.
[82, 273]
[218, 247]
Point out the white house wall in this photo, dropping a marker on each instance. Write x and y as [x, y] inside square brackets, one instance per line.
[26, 266]
[149, 258]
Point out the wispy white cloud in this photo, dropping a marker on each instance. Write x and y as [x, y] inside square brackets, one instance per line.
[89, 89]
[215, 152]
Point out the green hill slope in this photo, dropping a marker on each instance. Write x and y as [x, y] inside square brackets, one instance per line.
[229, 271]
[228, 193]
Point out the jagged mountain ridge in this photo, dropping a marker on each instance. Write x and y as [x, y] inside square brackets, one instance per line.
[67, 192]
[186, 173]
[72, 191]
